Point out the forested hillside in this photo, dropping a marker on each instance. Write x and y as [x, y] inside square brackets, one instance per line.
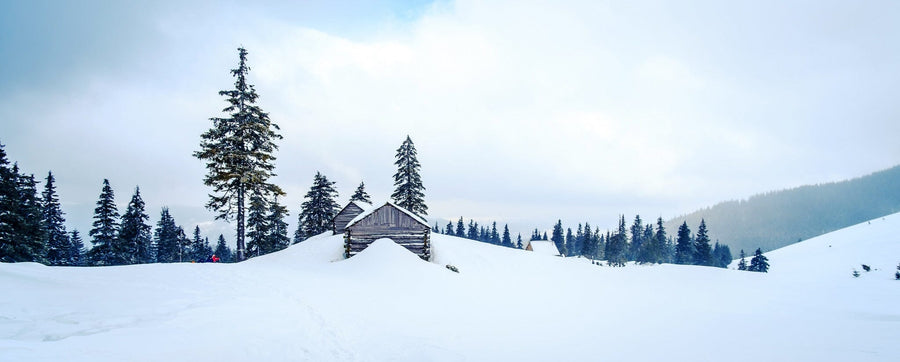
[776, 219]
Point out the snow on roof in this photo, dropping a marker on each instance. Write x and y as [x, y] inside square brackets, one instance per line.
[372, 210]
[360, 204]
[544, 247]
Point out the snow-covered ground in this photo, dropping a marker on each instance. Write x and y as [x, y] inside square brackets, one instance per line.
[306, 303]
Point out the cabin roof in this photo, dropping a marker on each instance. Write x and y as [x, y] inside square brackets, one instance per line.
[368, 212]
[365, 206]
[544, 247]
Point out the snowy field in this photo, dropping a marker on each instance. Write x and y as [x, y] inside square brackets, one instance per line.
[306, 303]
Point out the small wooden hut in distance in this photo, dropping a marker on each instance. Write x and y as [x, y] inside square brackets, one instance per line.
[347, 214]
[542, 247]
[388, 221]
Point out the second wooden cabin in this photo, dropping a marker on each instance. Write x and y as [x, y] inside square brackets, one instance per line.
[388, 221]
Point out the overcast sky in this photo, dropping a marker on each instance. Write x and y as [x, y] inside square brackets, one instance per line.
[521, 112]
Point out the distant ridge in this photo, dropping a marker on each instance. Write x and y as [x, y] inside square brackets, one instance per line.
[776, 219]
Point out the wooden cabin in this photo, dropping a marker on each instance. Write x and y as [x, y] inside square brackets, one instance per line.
[388, 221]
[347, 214]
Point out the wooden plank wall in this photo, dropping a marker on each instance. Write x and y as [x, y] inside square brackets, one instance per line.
[388, 222]
[344, 217]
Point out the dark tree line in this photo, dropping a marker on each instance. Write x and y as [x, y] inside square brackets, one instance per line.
[32, 228]
[641, 243]
[483, 233]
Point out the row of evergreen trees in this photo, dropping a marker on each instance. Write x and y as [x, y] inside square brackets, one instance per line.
[644, 244]
[32, 228]
[480, 233]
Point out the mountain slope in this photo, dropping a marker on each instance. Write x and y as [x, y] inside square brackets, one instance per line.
[773, 220]
[306, 303]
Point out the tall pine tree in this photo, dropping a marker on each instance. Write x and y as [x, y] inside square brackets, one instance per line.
[166, 235]
[277, 237]
[104, 234]
[222, 250]
[506, 240]
[617, 245]
[54, 224]
[702, 249]
[684, 248]
[135, 232]
[257, 227]
[239, 152]
[409, 193]
[319, 209]
[76, 255]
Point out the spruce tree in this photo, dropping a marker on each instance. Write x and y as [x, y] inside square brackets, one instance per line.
[409, 192]
[684, 249]
[570, 242]
[257, 226]
[361, 195]
[759, 263]
[104, 234]
[721, 255]
[277, 238]
[319, 209]
[54, 224]
[495, 236]
[659, 254]
[588, 247]
[166, 237]
[76, 254]
[134, 233]
[616, 250]
[461, 228]
[519, 244]
[557, 238]
[222, 250]
[506, 240]
[702, 250]
[449, 230]
[648, 251]
[239, 152]
[742, 265]
[637, 238]
[196, 250]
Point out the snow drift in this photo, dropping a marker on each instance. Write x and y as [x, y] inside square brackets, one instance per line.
[307, 303]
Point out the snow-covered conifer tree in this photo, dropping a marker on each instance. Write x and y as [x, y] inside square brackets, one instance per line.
[105, 228]
[239, 152]
[134, 233]
[361, 195]
[702, 250]
[759, 263]
[684, 248]
[277, 237]
[166, 235]
[54, 224]
[409, 193]
[319, 209]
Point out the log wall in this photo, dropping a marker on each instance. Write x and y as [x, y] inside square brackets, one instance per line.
[388, 222]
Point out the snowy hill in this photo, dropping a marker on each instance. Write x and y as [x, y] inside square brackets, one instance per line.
[307, 303]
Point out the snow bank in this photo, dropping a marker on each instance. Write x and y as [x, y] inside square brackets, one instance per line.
[307, 303]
